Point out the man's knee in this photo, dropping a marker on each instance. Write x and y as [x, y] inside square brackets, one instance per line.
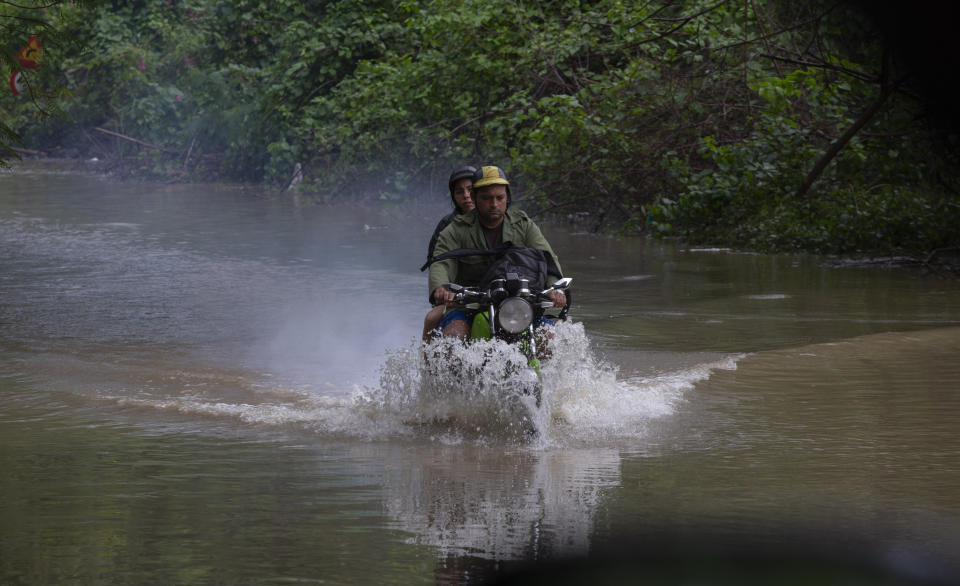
[456, 323]
[457, 328]
[433, 318]
[431, 322]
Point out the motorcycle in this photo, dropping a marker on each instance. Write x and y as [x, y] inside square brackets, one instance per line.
[508, 310]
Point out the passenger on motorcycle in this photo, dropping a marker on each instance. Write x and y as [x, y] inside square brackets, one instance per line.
[461, 192]
[491, 224]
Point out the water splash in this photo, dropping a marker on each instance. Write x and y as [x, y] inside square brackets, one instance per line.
[476, 392]
[449, 393]
[456, 391]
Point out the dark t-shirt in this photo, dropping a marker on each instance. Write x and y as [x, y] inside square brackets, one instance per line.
[493, 236]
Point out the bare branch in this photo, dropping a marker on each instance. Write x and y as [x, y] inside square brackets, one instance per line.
[22, 7]
[136, 141]
[681, 22]
[823, 65]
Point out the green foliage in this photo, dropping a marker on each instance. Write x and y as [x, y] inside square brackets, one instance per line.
[211, 86]
[19, 22]
[695, 119]
[890, 189]
[884, 192]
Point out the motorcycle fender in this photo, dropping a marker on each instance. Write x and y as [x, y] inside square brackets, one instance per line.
[480, 330]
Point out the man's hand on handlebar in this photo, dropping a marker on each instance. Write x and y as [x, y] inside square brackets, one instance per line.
[443, 296]
[558, 298]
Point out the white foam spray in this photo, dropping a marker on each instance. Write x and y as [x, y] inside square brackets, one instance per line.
[475, 392]
[452, 393]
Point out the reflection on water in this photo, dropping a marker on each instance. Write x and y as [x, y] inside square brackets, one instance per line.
[95, 502]
[485, 503]
[203, 384]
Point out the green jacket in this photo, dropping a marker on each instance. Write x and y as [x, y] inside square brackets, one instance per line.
[465, 232]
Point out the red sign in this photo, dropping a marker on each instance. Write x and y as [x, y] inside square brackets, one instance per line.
[29, 58]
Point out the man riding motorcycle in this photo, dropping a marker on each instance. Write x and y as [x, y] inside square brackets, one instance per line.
[488, 226]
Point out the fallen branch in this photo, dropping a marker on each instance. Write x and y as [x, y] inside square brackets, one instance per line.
[136, 141]
[26, 151]
[937, 251]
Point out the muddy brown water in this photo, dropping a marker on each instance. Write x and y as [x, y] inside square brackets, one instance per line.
[214, 385]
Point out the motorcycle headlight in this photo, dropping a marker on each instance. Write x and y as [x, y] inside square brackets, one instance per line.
[514, 315]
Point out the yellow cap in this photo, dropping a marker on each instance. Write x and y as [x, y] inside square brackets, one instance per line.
[489, 175]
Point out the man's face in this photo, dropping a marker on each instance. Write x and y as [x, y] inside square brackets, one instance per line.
[491, 204]
[463, 194]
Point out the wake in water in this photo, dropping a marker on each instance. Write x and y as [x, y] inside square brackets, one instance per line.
[451, 393]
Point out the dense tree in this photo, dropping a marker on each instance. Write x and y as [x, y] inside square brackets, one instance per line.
[760, 123]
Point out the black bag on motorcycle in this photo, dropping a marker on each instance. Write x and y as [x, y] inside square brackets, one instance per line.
[531, 264]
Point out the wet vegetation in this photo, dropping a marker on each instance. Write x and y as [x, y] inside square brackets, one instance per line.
[764, 124]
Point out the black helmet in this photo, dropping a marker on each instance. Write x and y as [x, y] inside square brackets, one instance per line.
[461, 173]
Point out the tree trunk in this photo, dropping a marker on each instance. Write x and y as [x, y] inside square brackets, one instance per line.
[886, 89]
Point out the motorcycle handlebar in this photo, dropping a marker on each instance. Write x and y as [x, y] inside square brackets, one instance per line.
[464, 296]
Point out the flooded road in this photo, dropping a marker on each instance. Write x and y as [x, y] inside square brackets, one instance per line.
[211, 385]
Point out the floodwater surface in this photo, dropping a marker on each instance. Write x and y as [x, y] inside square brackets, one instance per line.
[216, 385]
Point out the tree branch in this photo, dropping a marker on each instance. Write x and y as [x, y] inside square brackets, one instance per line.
[20, 6]
[134, 140]
[681, 22]
[835, 148]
